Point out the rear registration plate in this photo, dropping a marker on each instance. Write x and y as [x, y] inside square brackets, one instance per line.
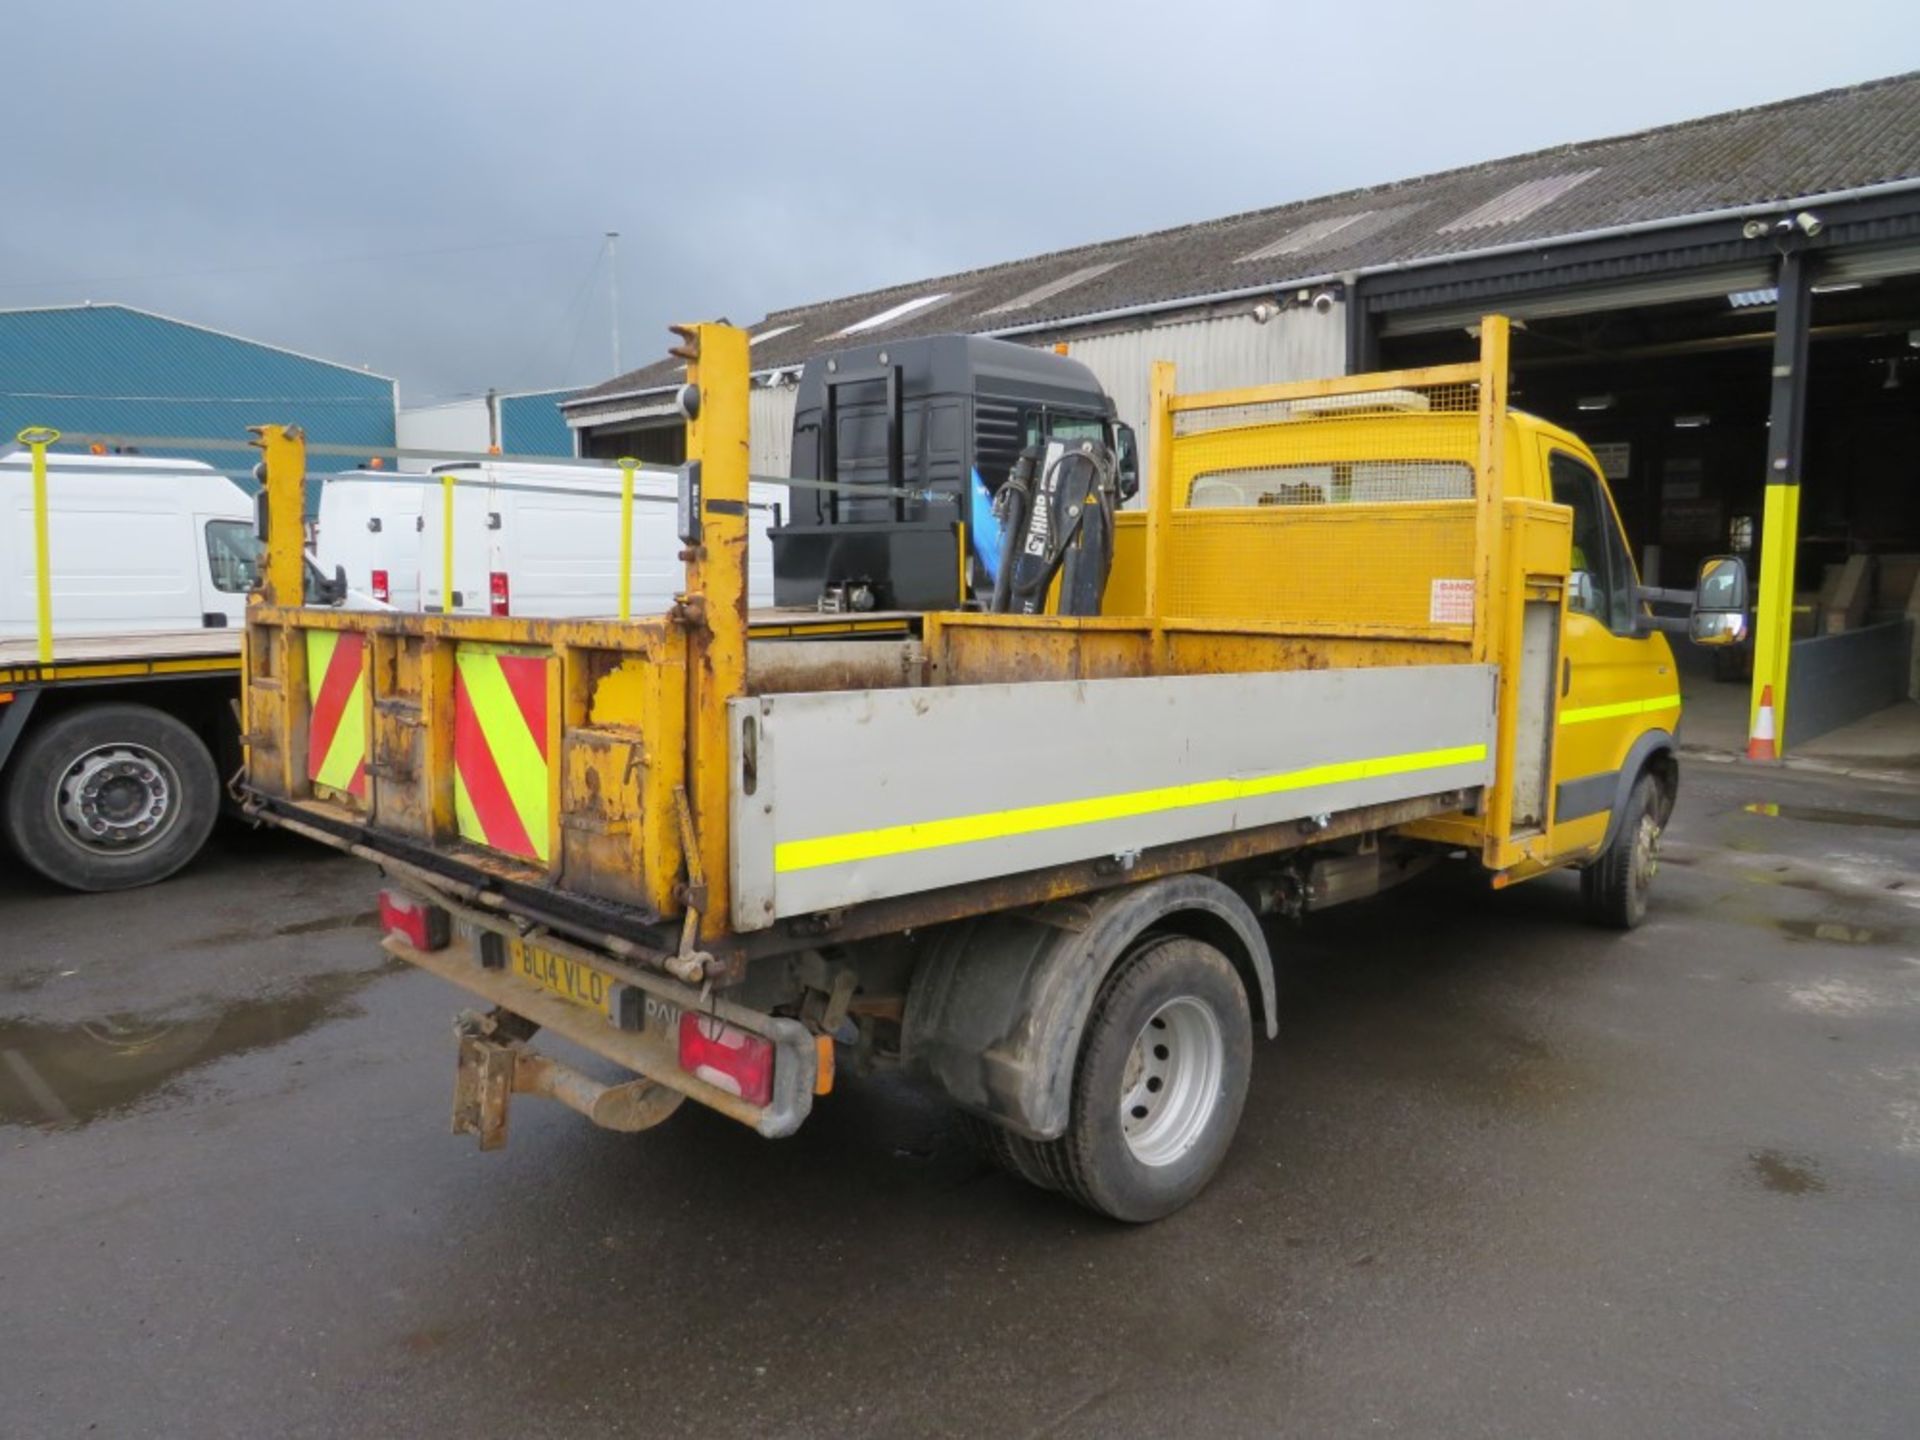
[569, 979]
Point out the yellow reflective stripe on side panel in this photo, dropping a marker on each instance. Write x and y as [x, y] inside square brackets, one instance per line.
[1623, 707]
[996, 825]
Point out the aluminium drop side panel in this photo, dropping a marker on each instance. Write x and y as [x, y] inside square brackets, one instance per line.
[844, 798]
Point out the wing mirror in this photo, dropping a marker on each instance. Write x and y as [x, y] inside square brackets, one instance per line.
[1128, 450]
[1720, 602]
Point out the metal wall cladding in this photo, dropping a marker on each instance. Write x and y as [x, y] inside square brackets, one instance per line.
[532, 424]
[113, 369]
[770, 429]
[1221, 353]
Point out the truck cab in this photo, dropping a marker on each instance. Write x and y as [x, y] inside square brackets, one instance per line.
[913, 438]
[139, 544]
[1597, 694]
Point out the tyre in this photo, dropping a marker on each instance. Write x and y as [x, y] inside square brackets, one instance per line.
[1613, 889]
[109, 797]
[1159, 1085]
[1015, 1154]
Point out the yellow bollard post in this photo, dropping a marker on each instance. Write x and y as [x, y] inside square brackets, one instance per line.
[284, 455]
[446, 543]
[37, 438]
[627, 466]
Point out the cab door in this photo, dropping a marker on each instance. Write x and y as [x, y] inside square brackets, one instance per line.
[1615, 684]
[229, 563]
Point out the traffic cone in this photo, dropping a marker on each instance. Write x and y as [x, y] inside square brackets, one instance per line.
[1760, 744]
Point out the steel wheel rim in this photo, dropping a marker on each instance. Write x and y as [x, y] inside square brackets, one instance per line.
[1171, 1086]
[118, 799]
[1646, 852]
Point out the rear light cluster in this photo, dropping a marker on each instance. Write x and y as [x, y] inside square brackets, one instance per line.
[497, 597]
[382, 591]
[409, 918]
[727, 1057]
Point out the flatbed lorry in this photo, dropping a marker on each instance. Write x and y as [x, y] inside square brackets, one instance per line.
[1364, 624]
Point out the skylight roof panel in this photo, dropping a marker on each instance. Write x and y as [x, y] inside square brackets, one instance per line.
[894, 313]
[1518, 201]
[1054, 287]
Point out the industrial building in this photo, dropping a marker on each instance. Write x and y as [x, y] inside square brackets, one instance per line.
[524, 422]
[1728, 309]
[114, 369]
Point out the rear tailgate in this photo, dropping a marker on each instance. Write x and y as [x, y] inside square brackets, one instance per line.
[534, 751]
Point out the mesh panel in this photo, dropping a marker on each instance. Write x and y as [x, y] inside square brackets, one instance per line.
[1328, 513]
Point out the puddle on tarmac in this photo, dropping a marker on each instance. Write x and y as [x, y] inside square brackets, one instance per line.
[1836, 932]
[1821, 816]
[1786, 1174]
[61, 1076]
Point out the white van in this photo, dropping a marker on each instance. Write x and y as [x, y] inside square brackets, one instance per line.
[369, 528]
[134, 544]
[545, 540]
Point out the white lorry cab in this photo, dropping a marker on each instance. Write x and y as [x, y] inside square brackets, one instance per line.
[118, 723]
[137, 544]
[545, 540]
[369, 530]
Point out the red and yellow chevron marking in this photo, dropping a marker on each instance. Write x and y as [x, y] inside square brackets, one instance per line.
[501, 745]
[337, 693]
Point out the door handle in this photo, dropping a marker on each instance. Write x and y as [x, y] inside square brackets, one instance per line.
[1566, 674]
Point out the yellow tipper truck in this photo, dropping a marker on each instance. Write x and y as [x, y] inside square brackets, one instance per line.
[1364, 623]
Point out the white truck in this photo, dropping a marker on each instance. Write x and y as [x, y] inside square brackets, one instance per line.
[369, 532]
[113, 748]
[544, 540]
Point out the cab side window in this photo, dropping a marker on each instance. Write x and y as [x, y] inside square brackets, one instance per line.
[233, 556]
[1599, 550]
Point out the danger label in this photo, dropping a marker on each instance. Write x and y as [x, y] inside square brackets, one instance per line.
[1451, 603]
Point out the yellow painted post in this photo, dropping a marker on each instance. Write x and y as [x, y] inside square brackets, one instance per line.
[1490, 481]
[627, 466]
[37, 438]
[715, 610]
[1159, 487]
[283, 575]
[1773, 609]
[446, 543]
[1780, 517]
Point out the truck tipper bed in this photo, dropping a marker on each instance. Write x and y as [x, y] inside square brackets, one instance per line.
[1363, 624]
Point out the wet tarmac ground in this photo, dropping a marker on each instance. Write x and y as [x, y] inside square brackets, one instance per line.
[1501, 1175]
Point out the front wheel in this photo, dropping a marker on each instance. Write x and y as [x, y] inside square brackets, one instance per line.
[1614, 888]
[1160, 1083]
[109, 797]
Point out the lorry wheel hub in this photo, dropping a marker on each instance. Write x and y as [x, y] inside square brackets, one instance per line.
[1646, 851]
[1172, 1081]
[117, 797]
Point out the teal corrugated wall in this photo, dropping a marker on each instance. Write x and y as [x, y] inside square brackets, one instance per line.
[533, 425]
[109, 368]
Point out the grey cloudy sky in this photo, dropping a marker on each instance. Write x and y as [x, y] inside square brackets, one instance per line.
[422, 187]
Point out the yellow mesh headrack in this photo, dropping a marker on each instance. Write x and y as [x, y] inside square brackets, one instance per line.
[1343, 513]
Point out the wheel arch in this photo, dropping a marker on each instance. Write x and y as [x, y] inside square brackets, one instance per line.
[1652, 752]
[997, 1009]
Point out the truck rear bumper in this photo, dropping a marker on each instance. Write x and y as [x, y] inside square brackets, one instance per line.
[647, 1044]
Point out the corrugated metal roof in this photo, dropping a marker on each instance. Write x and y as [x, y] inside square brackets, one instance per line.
[1518, 203]
[1836, 140]
[112, 368]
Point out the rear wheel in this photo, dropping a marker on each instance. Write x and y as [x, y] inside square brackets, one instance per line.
[1159, 1085]
[109, 797]
[1614, 888]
